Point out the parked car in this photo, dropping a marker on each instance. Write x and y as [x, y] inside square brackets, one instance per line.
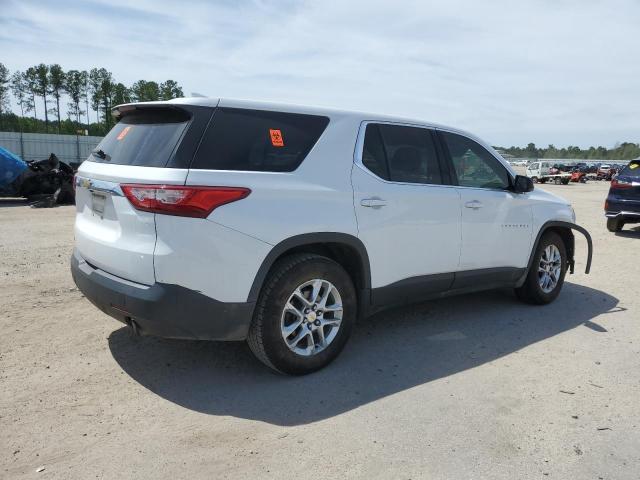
[543, 172]
[231, 220]
[559, 168]
[538, 170]
[623, 202]
[578, 175]
[603, 171]
[611, 173]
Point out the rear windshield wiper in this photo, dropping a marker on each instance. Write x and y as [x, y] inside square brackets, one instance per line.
[100, 154]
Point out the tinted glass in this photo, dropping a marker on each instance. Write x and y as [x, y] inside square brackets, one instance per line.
[401, 154]
[143, 138]
[474, 165]
[255, 140]
[373, 156]
[632, 170]
[411, 154]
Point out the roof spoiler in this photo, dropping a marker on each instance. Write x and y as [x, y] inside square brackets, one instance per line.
[120, 111]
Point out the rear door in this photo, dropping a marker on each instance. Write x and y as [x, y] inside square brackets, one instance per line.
[144, 147]
[408, 218]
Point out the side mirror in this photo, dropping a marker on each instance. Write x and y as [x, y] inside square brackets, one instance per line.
[522, 184]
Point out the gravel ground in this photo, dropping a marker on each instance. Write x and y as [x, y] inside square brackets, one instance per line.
[479, 386]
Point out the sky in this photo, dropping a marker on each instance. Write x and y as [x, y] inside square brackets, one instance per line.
[559, 72]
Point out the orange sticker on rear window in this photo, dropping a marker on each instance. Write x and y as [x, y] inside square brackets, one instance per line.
[276, 138]
[123, 133]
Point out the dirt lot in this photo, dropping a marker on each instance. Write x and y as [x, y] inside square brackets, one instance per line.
[477, 387]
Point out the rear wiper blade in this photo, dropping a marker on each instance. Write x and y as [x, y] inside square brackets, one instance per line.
[99, 153]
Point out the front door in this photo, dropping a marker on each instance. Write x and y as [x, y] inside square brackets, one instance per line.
[496, 222]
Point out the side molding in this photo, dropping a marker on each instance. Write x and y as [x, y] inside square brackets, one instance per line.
[309, 239]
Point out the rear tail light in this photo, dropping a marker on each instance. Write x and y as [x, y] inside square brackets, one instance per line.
[184, 201]
[620, 184]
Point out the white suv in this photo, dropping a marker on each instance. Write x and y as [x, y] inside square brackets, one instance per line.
[230, 220]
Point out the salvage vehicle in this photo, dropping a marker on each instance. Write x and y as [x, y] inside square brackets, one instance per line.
[622, 205]
[543, 172]
[44, 182]
[603, 172]
[578, 175]
[220, 219]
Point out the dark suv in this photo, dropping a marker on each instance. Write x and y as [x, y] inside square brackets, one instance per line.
[623, 203]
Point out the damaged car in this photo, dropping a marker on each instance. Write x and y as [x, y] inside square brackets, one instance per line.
[45, 183]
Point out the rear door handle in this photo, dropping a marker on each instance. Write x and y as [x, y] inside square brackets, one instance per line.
[475, 204]
[373, 202]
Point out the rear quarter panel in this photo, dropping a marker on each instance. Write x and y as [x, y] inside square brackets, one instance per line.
[316, 197]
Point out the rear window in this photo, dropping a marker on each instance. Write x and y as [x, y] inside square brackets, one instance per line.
[631, 170]
[259, 141]
[142, 138]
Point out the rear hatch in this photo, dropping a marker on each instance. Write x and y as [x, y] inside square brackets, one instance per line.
[150, 144]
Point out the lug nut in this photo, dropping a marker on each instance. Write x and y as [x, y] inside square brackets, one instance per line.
[317, 323]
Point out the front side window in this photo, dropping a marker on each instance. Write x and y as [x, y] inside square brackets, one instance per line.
[401, 154]
[474, 165]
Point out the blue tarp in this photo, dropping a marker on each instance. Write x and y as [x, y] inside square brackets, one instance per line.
[11, 166]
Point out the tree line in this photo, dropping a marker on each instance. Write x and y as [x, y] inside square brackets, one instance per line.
[42, 89]
[621, 151]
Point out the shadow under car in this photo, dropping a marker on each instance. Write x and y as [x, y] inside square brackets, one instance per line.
[388, 353]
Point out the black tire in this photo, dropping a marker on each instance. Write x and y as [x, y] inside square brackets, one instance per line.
[565, 181]
[265, 338]
[531, 291]
[534, 179]
[614, 225]
[557, 181]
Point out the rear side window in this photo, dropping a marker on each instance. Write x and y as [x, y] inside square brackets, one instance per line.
[258, 141]
[373, 155]
[401, 154]
[631, 170]
[142, 138]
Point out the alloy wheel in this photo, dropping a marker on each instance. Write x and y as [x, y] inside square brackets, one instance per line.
[549, 269]
[311, 317]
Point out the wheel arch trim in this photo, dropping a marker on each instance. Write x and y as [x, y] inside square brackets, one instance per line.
[310, 239]
[561, 224]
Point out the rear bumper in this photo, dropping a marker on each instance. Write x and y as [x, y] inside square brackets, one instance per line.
[624, 209]
[629, 217]
[616, 204]
[163, 310]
